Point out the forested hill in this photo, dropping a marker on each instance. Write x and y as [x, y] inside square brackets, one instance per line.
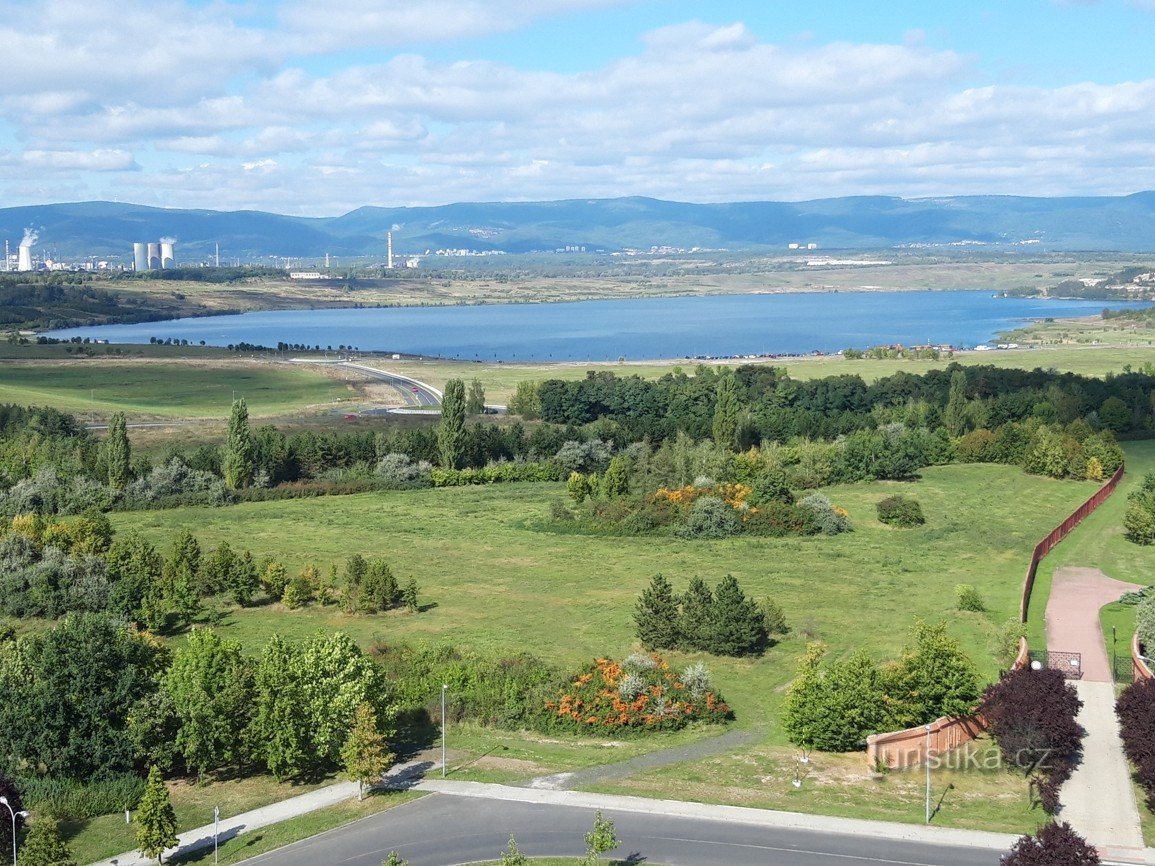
[1123, 223]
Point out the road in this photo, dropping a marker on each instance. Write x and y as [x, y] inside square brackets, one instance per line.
[443, 830]
[415, 393]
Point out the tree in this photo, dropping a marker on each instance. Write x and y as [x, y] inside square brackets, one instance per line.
[954, 417]
[657, 615]
[578, 486]
[365, 755]
[836, 707]
[211, 686]
[451, 429]
[475, 402]
[155, 818]
[239, 464]
[410, 595]
[135, 569]
[279, 732]
[44, 846]
[525, 401]
[616, 480]
[243, 580]
[933, 678]
[738, 627]
[599, 839]
[379, 589]
[695, 623]
[1052, 845]
[336, 677]
[118, 453]
[727, 412]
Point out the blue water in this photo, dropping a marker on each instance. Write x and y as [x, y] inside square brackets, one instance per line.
[714, 325]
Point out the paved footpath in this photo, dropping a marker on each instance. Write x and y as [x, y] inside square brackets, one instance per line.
[1098, 800]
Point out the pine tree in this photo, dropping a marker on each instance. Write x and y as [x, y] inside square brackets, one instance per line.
[365, 755]
[244, 581]
[727, 412]
[738, 626]
[656, 615]
[155, 819]
[695, 621]
[118, 452]
[475, 402]
[451, 430]
[239, 464]
[410, 595]
[44, 845]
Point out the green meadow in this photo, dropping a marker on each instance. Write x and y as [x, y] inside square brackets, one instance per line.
[498, 577]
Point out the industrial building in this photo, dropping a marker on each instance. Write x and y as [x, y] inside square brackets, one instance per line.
[154, 256]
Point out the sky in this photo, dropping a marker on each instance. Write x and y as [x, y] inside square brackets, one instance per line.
[317, 108]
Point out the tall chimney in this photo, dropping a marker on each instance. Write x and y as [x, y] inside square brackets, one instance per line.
[389, 242]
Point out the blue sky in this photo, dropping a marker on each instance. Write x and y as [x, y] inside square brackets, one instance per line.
[319, 107]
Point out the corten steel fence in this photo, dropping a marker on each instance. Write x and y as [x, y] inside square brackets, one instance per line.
[1140, 670]
[1060, 532]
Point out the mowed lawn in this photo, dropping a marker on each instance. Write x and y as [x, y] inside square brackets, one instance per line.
[146, 389]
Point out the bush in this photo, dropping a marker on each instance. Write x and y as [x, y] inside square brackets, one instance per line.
[710, 517]
[1031, 715]
[830, 519]
[967, 597]
[1145, 623]
[900, 511]
[1136, 711]
[593, 701]
[1139, 518]
[1052, 845]
[69, 800]
[498, 473]
[834, 708]
[399, 472]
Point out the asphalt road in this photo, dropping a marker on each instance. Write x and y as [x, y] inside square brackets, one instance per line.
[444, 830]
[414, 392]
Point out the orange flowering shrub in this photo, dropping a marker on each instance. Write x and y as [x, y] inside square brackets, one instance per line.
[733, 495]
[604, 696]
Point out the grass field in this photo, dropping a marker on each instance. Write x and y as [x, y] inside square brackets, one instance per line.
[156, 389]
[501, 582]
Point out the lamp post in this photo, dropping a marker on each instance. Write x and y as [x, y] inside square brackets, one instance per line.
[444, 689]
[216, 831]
[927, 774]
[15, 815]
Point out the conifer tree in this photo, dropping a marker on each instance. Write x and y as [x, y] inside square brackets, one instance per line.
[239, 464]
[155, 818]
[738, 627]
[244, 580]
[451, 430]
[118, 452]
[695, 622]
[44, 845]
[656, 615]
[365, 754]
[727, 412]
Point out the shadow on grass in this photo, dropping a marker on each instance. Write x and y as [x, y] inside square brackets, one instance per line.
[202, 849]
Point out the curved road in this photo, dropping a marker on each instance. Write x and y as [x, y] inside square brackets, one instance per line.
[444, 830]
[415, 393]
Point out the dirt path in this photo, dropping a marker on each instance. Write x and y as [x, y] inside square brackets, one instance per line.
[1098, 799]
[653, 760]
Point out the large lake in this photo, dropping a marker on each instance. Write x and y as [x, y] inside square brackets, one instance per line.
[713, 325]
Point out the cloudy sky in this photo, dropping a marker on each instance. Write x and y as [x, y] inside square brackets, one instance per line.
[319, 107]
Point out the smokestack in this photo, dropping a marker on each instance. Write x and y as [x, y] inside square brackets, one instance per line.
[389, 243]
[139, 257]
[167, 256]
[153, 257]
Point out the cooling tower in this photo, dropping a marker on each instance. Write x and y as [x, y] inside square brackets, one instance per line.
[24, 260]
[139, 257]
[153, 257]
[167, 258]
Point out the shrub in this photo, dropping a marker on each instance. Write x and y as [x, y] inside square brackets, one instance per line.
[834, 708]
[932, 678]
[900, 511]
[1052, 845]
[710, 517]
[1139, 518]
[399, 472]
[1031, 715]
[967, 597]
[1004, 645]
[70, 800]
[1136, 711]
[1145, 623]
[592, 701]
[830, 519]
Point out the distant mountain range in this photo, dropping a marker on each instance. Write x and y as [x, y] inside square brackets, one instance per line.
[108, 230]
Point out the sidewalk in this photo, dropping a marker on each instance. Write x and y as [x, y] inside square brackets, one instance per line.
[1098, 800]
[234, 825]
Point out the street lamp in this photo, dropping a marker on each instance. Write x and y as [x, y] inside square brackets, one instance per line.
[216, 831]
[15, 815]
[444, 689]
[928, 774]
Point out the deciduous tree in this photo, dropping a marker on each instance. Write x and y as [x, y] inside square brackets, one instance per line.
[118, 453]
[365, 755]
[239, 463]
[451, 429]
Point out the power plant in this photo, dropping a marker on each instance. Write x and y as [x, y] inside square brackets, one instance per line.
[24, 258]
[154, 256]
